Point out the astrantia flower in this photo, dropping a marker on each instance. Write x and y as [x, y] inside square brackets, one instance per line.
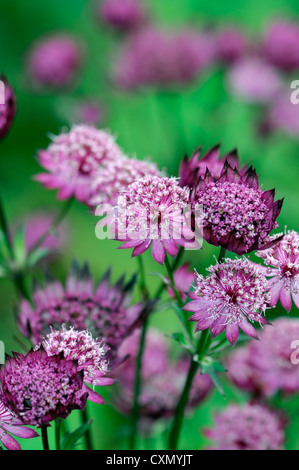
[7, 107]
[280, 45]
[163, 379]
[73, 160]
[283, 115]
[36, 226]
[11, 424]
[54, 61]
[152, 213]
[105, 311]
[237, 214]
[247, 427]
[230, 44]
[183, 280]
[89, 353]
[122, 14]
[284, 273]
[266, 367]
[39, 388]
[234, 295]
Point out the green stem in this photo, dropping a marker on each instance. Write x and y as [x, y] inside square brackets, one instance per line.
[142, 282]
[57, 433]
[222, 254]
[5, 230]
[87, 435]
[45, 438]
[173, 286]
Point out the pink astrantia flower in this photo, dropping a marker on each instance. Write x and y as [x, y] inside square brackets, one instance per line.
[233, 295]
[11, 424]
[267, 367]
[89, 353]
[162, 378]
[73, 160]
[152, 214]
[237, 214]
[283, 115]
[282, 260]
[54, 61]
[247, 427]
[7, 107]
[230, 44]
[183, 280]
[39, 388]
[122, 14]
[104, 310]
[280, 45]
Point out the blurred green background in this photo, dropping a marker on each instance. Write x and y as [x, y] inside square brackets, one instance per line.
[146, 124]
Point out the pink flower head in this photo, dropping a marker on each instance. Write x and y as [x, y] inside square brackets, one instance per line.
[254, 80]
[162, 59]
[74, 159]
[39, 388]
[270, 365]
[183, 280]
[89, 112]
[237, 214]
[11, 424]
[195, 167]
[247, 427]
[152, 213]
[282, 260]
[7, 106]
[280, 45]
[231, 44]
[105, 311]
[54, 61]
[232, 296]
[36, 226]
[89, 353]
[162, 379]
[122, 14]
[283, 115]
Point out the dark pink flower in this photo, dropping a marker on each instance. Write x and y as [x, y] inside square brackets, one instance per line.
[230, 44]
[280, 45]
[39, 388]
[247, 427]
[36, 226]
[283, 115]
[234, 295]
[7, 106]
[122, 14]
[11, 425]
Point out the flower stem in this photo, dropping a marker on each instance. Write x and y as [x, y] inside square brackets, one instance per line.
[57, 433]
[87, 434]
[170, 275]
[5, 229]
[222, 254]
[45, 438]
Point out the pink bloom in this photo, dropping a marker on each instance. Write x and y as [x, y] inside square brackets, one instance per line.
[36, 226]
[7, 108]
[122, 14]
[280, 45]
[151, 214]
[11, 424]
[54, 61]
[232, 296]
[183, 280]
[89, 112]
[230, 44]
[284, 273]
[283, 115]
[247, 427]
[75, 158]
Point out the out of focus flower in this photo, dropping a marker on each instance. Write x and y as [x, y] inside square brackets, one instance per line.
[162, 59]
[36, 226]
[231, 45]
[234, 295]
[89, 112]
[152, 214]
[54, 61]
[282, 260]
[7, 106]
[283, 115]
[254, 80]
[183, 280]
[105, 311]
[237, 214]
[247, 427]
[122, 14]
[265, 367]
[74, 159]
[162, 378]
[11, 424]
[39, 388]
[195, 167]
[280, 45]
[90, 354]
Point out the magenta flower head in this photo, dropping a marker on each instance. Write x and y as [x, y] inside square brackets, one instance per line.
[11, 425]
[195, 167]
[162, 378]
[122, 14]
[53, 62]
[73, 160]
[39, 388]
[183, 280]
[283, 115]
[89, 353]
[280, 45]
[237, 214]
[36, 226]
[7, 106]
[247, 427]
[270, 365]
[230, 44]
[282, 260]
[105, 311]
[151, 213]
[254, 80]
[234, 295]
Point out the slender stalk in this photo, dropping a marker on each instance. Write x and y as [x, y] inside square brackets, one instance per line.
[222, 254]
[173, 268]
[173, 286]
[57, 433]
[45, 438]
[87, 435]
[5, 229]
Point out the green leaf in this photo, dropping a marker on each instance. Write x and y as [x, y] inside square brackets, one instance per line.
[70, 439]
[211, 367]
[36, 256]
[20, 246]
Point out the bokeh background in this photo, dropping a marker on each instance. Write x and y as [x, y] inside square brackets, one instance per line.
[146, 123]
